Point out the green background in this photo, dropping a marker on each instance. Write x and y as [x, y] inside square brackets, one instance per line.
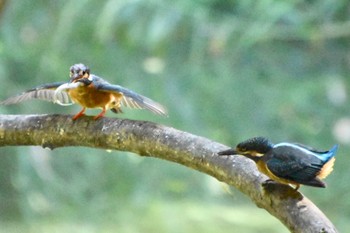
[226, 70]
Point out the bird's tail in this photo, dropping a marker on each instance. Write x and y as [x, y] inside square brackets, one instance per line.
[333, 151]
[315, 183]
[325, 156]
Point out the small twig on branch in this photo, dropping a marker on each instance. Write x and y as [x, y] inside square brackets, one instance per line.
[293, 209]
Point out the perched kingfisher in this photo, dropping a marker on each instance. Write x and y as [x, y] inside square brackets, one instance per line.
[90, 91]
[287, 163]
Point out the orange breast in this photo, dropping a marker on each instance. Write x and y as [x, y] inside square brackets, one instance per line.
[264, 169]
[89, 97]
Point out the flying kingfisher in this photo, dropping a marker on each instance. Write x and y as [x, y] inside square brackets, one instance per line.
[287, 163]
[90, 91]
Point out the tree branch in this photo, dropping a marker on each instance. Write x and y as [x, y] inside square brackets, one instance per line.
[293, 209]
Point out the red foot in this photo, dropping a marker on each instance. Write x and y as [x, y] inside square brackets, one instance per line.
[100, 115]
[79, 114]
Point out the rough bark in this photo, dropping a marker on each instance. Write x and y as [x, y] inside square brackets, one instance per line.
[293, 209]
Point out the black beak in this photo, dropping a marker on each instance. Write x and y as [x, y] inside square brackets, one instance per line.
[228, 152]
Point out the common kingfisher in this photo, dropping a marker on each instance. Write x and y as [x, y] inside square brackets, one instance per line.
[287, 163]
[90, 91]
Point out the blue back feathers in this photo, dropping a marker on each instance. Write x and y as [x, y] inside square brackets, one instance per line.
[324, 156]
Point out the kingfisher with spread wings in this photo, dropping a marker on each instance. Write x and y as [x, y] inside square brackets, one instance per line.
[89, 91]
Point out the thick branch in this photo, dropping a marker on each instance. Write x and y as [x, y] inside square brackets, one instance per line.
[149, 139]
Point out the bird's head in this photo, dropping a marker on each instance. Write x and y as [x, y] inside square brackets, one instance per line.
[79, 72]
[257, 146]
[253, 148]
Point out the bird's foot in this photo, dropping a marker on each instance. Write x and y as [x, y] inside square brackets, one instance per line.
[284, 190]
[79, 114]
[100, 115]
[269, 182]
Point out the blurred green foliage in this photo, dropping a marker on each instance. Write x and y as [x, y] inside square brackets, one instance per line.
[226, 70]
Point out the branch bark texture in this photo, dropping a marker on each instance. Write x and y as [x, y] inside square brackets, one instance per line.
[293, 209]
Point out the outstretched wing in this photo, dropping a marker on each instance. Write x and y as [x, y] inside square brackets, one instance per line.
[43, 92]
[130, 99]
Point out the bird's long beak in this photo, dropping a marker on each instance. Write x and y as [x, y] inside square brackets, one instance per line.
[228, 152]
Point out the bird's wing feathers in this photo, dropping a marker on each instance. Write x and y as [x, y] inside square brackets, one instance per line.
[47, 92]
[44, 92]
[130, 98]
[309, 148]
[293, 170]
